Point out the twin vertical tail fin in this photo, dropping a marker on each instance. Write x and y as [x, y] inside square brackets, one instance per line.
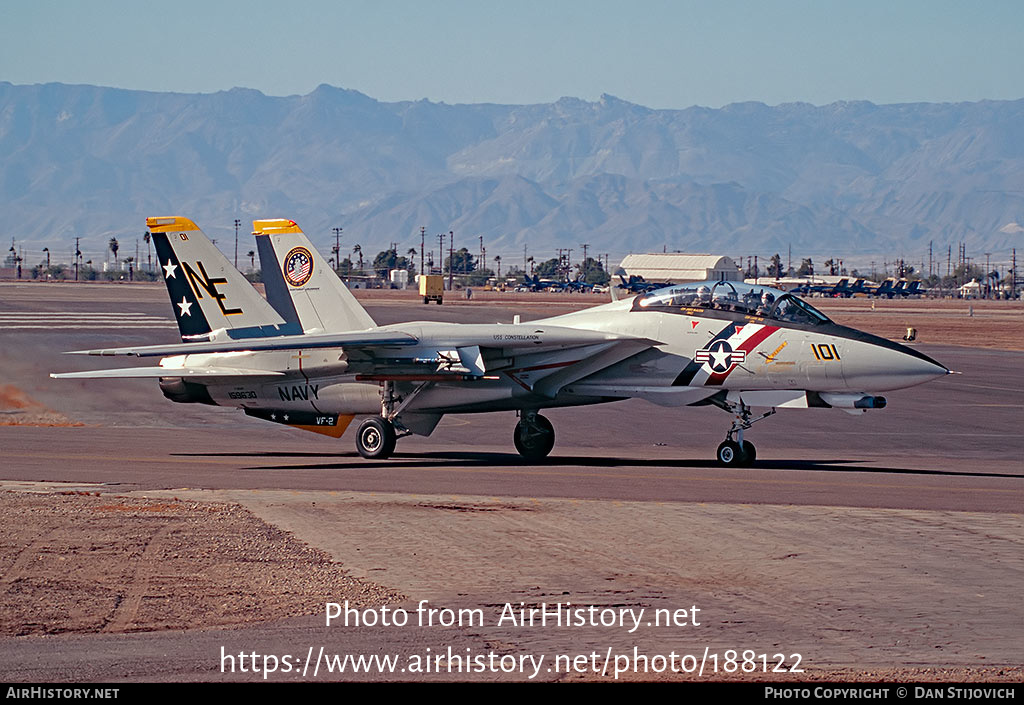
[209, 296]
[299, 283]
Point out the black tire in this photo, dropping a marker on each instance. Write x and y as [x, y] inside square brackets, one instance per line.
[426, 299]
[535, 441]
[749, 453]
[376, 438]
[730, 455]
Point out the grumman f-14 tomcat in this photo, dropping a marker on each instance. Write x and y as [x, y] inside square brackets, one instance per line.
[311, 357]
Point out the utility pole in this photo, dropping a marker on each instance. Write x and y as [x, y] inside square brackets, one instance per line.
[988, 279]
[451, 261]
[237, 223]
[440, 253]
[423, 242]
[337, 248]
[78, 256]
[1013, 275]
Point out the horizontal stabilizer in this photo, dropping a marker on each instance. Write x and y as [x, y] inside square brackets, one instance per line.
[156, 372]
[303, 342]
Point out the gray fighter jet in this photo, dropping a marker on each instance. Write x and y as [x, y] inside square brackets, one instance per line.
[310, 356]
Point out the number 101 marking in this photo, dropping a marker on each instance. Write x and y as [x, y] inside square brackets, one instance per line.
[825, 352]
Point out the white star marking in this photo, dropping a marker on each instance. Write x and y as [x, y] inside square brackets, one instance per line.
[273, 417]
[169, 270]
[286, 417]
[185, 305]
[721, 357]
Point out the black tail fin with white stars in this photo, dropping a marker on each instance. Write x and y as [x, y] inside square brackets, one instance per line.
[211, 299]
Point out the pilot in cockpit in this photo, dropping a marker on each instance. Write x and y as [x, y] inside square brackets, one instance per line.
[703, 297]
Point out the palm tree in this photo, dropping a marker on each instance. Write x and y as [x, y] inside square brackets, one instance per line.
[497, 263]
[149, 254]
[358, 248]
[252, 259]
[113, 248]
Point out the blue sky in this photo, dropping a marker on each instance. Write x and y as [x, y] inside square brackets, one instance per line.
[659, 53]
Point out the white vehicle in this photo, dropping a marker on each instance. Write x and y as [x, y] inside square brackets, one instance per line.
[310, 356]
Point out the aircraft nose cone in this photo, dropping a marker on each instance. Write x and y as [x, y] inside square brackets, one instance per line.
[888, 365]
[918, 368]
[909, 367]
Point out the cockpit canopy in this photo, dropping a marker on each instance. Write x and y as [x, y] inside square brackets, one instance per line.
[747, 299]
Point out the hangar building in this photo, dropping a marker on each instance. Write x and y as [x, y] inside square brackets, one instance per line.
[677, 268]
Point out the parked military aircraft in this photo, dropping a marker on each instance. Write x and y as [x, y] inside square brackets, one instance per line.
[829, 290]
[841, 289]
[309, 355]
[571, 285]
[636, 284]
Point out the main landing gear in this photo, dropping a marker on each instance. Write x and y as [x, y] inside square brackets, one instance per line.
[378, 434]
[534, 436]
[739, 453]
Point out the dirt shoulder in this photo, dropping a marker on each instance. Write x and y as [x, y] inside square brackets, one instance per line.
[72, 562]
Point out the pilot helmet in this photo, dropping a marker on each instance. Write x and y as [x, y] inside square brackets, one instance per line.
[767, 298]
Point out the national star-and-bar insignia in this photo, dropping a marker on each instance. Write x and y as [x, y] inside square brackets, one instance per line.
[720, 356]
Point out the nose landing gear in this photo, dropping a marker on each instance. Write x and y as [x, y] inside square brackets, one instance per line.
[739, 453]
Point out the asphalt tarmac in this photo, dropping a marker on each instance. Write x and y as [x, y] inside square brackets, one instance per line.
[951, 444]
[942, 460]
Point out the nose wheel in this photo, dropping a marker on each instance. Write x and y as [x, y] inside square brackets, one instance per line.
[534, 436]
[732, 454]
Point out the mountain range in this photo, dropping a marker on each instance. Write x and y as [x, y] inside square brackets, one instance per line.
[846, 179]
